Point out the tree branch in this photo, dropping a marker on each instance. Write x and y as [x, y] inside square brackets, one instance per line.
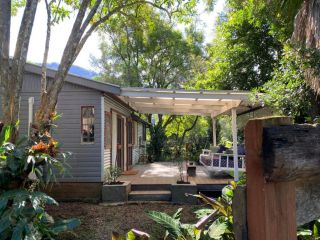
[168, 121]
[188, 130]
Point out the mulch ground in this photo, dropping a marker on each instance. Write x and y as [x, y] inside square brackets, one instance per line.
[98, 222]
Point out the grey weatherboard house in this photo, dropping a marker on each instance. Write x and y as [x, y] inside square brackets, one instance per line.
[96, 126]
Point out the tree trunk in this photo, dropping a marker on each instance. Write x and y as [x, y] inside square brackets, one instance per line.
[307, 32]
[46, 50]
[49, 100]
[307, 24]
[5, 23]
[12, 81]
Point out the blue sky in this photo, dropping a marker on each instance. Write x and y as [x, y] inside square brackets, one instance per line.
[61, 32]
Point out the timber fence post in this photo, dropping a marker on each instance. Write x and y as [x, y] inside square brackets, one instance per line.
[239, 213]
[271, 205]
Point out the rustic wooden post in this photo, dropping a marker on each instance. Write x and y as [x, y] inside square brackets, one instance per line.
[239, 212]
[271, 206]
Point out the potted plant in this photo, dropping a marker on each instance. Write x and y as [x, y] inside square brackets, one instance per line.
[183, 178]
[114, 190]
[183, 186]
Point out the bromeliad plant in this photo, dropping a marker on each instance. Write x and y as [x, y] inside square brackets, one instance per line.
[24, 166]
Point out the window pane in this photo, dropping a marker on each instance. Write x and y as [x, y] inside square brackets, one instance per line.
[87, 123]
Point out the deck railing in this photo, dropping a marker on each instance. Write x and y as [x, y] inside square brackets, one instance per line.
[221, 161]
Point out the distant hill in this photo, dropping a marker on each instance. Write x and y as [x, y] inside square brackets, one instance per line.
[76, 70]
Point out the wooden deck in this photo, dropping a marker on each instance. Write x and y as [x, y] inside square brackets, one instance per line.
[168, 173]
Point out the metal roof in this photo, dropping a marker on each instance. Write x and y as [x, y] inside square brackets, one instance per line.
[74, 79]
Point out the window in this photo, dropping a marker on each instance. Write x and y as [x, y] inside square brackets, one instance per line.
[87, 124]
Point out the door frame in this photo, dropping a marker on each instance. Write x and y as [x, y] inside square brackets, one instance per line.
[130, 144]
[120, 146]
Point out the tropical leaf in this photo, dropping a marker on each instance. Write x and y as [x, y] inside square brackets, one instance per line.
[227, 193]
[205, 220]
[172, 225]
[5, 134]
[177, 214]
[5, 223]
[215, 204]
[18, 230]
[217, 229]
[136, 234]
[65, 225]
[200, 213]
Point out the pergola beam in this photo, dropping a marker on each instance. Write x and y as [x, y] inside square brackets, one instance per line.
[174, 106]
[211, 102]
[200, 112]
[163, 93]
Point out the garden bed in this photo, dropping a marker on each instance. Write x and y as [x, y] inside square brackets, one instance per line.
[99, 221]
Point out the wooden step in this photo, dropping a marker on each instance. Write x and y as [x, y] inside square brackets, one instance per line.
[150, 195]
[151, 187]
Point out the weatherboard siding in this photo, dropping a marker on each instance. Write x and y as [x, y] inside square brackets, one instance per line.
[107, 158]
[111, 104]
[85, 162]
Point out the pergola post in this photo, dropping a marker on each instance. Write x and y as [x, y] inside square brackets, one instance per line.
[30, 113]
[235, 143]
[214, 131]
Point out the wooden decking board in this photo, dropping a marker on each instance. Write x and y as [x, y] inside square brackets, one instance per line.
[167, 173]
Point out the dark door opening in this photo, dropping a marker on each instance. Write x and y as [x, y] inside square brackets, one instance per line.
[129, 143]
[120, 142]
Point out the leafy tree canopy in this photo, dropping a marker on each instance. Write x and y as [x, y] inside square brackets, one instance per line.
[244, 51]
[146, 50]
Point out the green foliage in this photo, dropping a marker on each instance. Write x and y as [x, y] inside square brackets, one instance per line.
[15, 5]
[224, 131]
[214, 223]
[309, 231]
[282, 14]
[186, 136]
[244, 51]
[145, 50]
[288, 92]
[23, 216]
[112, 174]
[22, 210]
[157, 142]
[174, 228]
[26, 156]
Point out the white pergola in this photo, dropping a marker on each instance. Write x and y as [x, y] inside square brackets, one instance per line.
[191, 102]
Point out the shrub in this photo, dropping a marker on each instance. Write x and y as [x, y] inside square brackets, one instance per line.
[112, 174]
[22, 209]
[23, 216]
